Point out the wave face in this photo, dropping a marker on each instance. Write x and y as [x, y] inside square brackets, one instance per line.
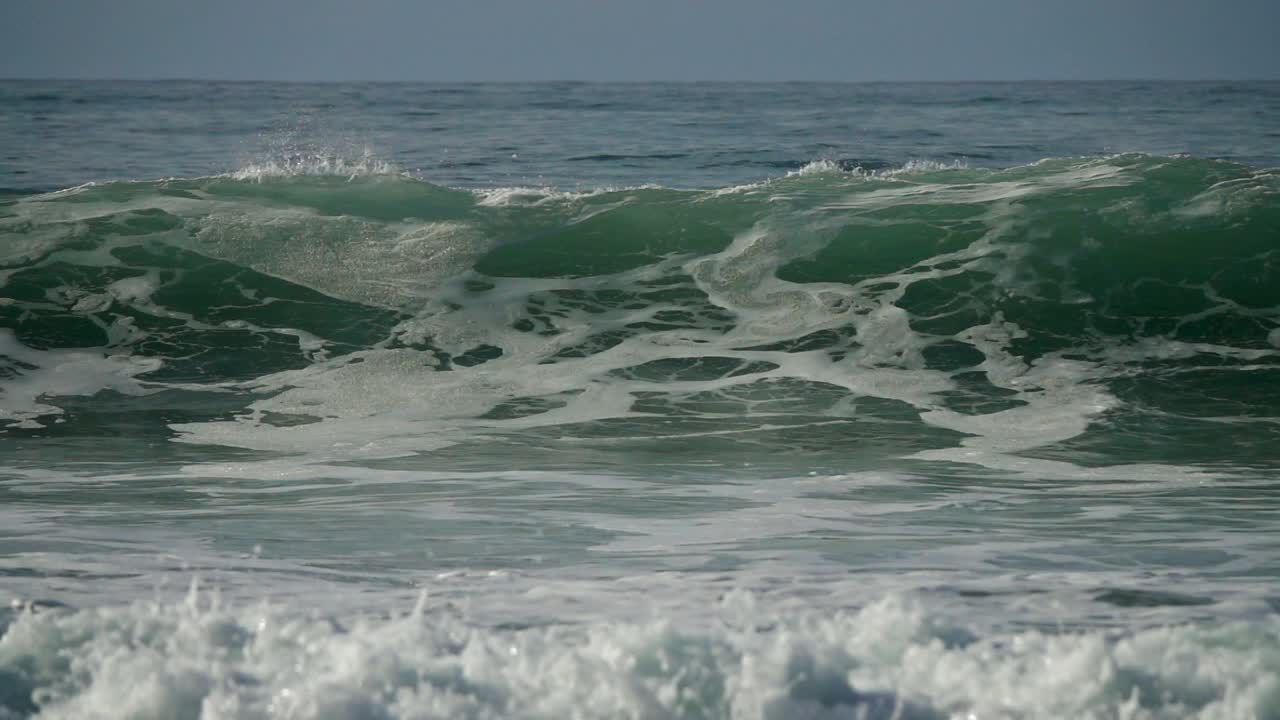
[806, 419]
[997, 311]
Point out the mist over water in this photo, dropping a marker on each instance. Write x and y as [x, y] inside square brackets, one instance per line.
[743, 401]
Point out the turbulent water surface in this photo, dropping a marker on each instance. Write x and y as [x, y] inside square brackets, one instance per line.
[920, 401]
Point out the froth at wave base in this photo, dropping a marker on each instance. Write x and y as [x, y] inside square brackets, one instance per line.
[887, 660]
[924, 380]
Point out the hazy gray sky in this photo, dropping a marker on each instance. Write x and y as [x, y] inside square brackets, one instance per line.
[640, 39]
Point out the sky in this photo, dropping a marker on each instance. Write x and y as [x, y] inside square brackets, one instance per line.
[636, 40]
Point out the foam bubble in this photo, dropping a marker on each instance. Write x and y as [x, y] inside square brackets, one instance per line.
[889, 659]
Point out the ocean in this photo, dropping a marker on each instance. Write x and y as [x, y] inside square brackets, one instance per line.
[639, 400]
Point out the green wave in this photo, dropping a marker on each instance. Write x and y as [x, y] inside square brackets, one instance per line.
[1164, 270]
[1130, 246]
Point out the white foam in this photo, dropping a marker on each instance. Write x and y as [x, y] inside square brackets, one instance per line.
[753, 659]
[526, 196]
[990, 191]
[62, 373]
[818, 167]
[911, 167]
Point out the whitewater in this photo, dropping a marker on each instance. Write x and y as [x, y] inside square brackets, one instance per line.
[647, 401]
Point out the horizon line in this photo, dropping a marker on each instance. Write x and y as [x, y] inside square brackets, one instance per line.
[700, 81]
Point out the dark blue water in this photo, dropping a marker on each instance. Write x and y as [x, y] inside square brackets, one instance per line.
[583, 136]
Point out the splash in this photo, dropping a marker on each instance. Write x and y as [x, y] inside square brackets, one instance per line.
[890, 659]
[289, 161]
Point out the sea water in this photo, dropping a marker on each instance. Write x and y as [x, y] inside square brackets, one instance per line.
[639, 401]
